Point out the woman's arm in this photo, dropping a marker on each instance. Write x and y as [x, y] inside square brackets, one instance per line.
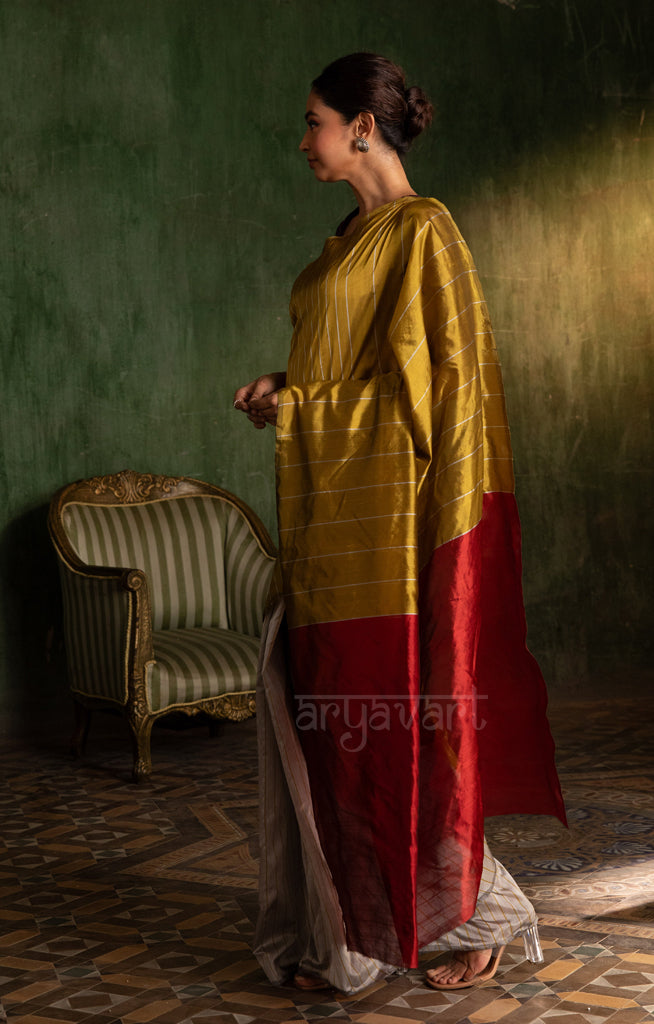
[258, 399]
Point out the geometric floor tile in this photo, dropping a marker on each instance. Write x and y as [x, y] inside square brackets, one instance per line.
[136, 904]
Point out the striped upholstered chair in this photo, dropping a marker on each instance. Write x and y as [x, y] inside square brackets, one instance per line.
[163, 581]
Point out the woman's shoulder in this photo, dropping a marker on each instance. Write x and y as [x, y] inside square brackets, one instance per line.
[422, 210]
[423, 218]
[425, 206]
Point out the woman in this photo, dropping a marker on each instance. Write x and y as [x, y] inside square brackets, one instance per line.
[398, 703]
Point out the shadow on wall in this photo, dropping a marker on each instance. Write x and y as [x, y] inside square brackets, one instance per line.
[34, 656]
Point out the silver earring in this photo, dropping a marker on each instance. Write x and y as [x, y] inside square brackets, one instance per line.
[362, 145]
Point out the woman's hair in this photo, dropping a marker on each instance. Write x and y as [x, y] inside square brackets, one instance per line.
[366, 81]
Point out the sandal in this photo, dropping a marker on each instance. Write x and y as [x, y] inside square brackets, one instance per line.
[309, 984]
[533, 953]
[477, 979]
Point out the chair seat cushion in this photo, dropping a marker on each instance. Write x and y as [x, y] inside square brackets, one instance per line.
[203, 662]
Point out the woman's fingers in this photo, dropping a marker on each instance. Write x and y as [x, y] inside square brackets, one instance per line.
[258, 399]
[265, 406]
[242, 396]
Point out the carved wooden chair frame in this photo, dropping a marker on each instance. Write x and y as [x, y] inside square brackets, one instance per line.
[124, 488]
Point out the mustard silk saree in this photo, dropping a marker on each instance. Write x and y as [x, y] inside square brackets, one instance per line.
[417, 705]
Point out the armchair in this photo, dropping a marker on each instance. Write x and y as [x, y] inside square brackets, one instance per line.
[163, 580]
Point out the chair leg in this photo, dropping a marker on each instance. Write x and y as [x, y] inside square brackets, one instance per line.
[141, 729]
[216, 726]
[81, 729]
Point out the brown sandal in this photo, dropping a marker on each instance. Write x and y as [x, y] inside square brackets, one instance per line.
[309, 984]
[478, 979]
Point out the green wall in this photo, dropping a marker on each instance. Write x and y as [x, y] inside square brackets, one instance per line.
[154, 212]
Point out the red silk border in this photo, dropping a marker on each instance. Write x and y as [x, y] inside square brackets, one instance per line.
[444, 721]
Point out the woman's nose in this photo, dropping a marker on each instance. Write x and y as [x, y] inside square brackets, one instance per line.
[304, 145]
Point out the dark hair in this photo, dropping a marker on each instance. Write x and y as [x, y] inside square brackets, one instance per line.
[366, 81]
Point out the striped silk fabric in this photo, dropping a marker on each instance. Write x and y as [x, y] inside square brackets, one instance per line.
[418, 705]
[394, 423]
[207, 579]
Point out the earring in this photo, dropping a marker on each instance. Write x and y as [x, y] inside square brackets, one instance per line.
[362, 145]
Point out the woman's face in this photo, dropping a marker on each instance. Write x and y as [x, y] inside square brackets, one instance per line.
[328, 142]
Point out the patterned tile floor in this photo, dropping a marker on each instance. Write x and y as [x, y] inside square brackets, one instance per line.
[136, 904]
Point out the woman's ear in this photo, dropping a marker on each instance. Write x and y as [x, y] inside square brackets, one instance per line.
[364, 124]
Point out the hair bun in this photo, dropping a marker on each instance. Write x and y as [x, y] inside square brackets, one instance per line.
[369, 82]
[419, 111]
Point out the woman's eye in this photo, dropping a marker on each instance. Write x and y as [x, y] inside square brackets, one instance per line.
[312, 124]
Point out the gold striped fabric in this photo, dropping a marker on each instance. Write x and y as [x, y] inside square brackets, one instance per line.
[207, 579]
[393, 421]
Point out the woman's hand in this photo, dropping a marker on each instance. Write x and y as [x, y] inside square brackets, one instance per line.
[258, 399]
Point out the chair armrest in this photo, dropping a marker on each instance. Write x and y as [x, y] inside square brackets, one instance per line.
[107, 627]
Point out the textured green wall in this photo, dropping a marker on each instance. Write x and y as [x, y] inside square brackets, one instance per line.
[154, 212]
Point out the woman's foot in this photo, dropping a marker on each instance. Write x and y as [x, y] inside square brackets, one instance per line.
[308, 983]
[466, 968]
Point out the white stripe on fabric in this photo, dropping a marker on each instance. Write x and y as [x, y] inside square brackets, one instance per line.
[415, 351]
[475, 415]
[476, 302]
[341, 522]
[455, 390]
[353, 586]
[458, 241]
[355, 551]
[341, 490]
[463, 458]
[336, 318]
[346, 401]
[347, 312]
[422, 397]
[352, 458]
[459, 497]
[374, 304]
[336, 430]
[326, 323]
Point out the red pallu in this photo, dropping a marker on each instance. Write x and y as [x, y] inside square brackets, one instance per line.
[451, 703]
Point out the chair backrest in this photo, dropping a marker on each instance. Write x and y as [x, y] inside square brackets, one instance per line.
[204, 563]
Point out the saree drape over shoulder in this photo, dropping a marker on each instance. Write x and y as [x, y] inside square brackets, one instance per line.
[418, 707]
